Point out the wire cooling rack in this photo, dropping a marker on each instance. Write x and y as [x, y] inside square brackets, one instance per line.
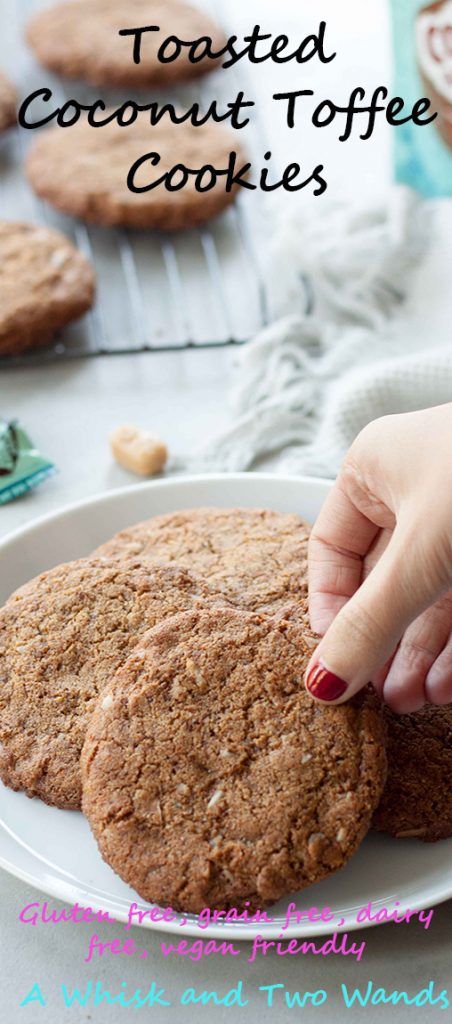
[155, 292]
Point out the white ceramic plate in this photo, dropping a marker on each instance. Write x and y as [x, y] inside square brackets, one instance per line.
[54, 850]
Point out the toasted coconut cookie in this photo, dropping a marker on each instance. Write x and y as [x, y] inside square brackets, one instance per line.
[211, 778]
[417, 800]
[81, 39]
[62, 637]
[256, 558]
[45, 282]
[8, 100]
[83, 171]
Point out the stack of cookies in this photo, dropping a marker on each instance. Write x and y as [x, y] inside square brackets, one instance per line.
[159, 685]
[82, 171]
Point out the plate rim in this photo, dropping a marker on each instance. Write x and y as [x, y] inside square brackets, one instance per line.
[102, 497]
[226, 931]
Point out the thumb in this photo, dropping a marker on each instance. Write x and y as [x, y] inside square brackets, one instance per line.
[368, 628]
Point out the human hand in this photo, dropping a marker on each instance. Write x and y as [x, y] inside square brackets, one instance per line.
[380, 566]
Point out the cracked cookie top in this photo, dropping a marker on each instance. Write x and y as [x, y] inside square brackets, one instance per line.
[62, 637]
[210, 776]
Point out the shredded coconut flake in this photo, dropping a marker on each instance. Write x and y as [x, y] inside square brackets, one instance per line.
[215, 798]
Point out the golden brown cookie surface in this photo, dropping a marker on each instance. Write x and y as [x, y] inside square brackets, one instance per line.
[83, 171]
[210, 777]
[62, 637]
[256, 558]
[417, 801]
[45, 283]
[80, 40]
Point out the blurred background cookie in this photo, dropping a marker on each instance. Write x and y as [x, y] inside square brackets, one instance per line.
[45, 282]
[8, 100]
[81, 40]
[83, 171]
[417, 800]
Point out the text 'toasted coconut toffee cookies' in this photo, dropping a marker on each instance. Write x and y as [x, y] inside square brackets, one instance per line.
[81, 39]
[211, 778]
[45, 283]
[62, 637]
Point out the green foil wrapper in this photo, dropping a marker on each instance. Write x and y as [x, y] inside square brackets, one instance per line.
[22, 467]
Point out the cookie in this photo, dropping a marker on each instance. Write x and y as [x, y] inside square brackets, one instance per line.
[211, 778]
[62, 637]
[83, 171]
[417, 800]
[256, 558]
[81, 39]
[45, 282]
[8, 100]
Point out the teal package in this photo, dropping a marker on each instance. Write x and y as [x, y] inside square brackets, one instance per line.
[423, 67]
[22, 467]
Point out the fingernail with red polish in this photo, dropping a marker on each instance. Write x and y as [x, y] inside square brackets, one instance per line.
[323, 684]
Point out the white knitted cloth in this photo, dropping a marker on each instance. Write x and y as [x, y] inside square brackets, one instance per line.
[306, 386]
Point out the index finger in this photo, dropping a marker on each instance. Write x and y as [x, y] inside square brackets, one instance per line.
[340, 539]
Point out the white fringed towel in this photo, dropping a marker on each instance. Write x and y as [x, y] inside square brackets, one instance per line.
[306, 386]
